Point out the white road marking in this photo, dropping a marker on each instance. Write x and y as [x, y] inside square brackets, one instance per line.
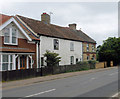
[116, 95]
[38, 93]
[113, 73]
[92, 78]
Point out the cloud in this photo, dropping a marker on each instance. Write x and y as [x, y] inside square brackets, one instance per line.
[98, 20]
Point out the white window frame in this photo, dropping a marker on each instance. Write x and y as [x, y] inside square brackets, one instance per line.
[71, 46]
[87, 47]
[10, 39]
[55, 44]
[9, 62]
[71, 60]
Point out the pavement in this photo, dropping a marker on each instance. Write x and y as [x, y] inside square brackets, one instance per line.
[26, 82]
[92, 83]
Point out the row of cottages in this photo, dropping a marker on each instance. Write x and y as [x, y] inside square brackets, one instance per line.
[25, 40]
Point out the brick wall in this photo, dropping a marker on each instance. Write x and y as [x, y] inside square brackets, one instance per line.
[90, 52]
[101, 65]
[22, 43]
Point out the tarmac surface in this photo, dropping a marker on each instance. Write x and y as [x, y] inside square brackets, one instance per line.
[91, 83]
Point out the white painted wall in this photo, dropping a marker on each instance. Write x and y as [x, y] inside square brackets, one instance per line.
[47, 43]
[20, 34]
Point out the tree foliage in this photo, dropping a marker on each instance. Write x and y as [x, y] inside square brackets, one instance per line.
[109, 50]
[52, 58]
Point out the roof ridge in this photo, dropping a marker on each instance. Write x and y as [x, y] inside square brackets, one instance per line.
[28, 17]
[41, 21]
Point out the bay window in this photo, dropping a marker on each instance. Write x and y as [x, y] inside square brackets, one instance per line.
[6, 62]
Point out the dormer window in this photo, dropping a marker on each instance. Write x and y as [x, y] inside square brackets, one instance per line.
[10, 36]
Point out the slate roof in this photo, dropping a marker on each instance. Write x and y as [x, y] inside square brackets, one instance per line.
[56, 31]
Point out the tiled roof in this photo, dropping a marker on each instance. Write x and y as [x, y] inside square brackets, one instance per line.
[48, 29]
[55, 31]
[4, 18]
[85, 37]
[27, 31]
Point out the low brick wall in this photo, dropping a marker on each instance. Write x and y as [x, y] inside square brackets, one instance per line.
[27, 73]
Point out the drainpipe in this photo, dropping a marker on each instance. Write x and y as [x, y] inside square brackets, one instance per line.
[39, 57]
[41, 73]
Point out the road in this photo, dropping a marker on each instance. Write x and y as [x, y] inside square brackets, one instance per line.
[95, 84]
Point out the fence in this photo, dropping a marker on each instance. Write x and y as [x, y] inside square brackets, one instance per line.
[101, 65]
[28, 73]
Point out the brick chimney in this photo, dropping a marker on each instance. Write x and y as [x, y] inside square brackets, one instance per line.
[72, 26]
[45, 18]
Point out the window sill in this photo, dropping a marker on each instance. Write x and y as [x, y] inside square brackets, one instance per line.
[10, 44]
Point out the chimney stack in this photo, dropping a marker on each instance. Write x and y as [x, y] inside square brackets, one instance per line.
[72, 26]
[45, 18]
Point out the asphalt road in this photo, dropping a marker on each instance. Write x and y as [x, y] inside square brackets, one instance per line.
[95, 84]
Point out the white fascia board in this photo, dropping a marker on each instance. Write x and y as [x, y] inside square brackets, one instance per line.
[13, 20]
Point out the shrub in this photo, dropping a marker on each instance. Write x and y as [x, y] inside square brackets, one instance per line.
[84, 65]
[52, 58]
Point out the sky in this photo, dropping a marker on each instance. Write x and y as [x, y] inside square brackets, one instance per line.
[99, 20]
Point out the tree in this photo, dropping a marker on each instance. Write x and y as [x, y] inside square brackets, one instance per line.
[52, 58]
[110, 50]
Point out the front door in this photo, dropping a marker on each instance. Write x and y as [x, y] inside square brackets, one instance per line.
[22, 62]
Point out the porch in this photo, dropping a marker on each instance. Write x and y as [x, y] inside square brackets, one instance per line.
[16, 61]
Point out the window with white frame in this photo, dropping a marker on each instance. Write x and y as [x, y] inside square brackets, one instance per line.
[71, 46]
[87, 47]
[6, 62]
[72, 60]
[56, 44]
[10, 36]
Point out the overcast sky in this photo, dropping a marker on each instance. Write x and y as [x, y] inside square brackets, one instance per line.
[99, 20]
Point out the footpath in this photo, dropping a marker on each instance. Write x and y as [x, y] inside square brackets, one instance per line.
[27, 82]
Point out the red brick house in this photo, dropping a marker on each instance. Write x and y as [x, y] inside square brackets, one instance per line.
[18, 45]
